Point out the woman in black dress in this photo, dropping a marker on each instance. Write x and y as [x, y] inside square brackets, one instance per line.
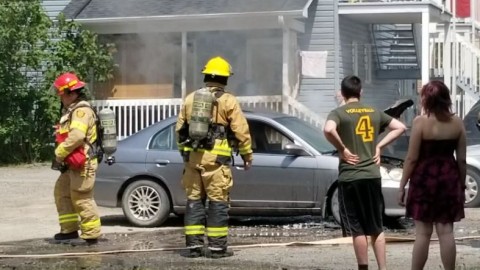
[436, 192]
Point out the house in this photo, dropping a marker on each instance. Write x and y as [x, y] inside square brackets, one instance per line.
[395, 46]
[54, 7]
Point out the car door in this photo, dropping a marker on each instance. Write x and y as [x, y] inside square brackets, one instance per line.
[164, 161]
[276, 180]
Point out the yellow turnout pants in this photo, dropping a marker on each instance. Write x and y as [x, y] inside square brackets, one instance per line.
[74, 199]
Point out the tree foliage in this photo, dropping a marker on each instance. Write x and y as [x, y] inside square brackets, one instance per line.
[33, 51]
[78, 50]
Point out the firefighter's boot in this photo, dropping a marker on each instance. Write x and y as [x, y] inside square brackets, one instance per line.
[195, 226]
[65, 236]
[217, 230]
[195, 252]
[217, 254]
[83, 242]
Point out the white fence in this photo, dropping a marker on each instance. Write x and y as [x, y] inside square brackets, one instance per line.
[135, 114]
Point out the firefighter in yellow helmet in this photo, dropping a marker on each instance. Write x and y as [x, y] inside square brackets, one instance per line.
[210, 125]
[75, 136]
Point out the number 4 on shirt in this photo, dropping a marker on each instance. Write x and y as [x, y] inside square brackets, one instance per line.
[365, 129]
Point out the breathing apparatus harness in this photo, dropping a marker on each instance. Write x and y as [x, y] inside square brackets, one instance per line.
[214, 131]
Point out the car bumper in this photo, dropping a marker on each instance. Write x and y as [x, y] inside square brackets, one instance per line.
[390, 193]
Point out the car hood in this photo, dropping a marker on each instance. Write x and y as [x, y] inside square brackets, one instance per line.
[398, 108]
[473, 150]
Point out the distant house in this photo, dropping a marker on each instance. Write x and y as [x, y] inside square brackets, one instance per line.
[394, 46]
[54, 7]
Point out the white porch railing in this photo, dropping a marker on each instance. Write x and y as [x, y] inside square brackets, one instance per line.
[374, 1]
[135, 114]
[467, 74]
[301, 111]
[446, 4]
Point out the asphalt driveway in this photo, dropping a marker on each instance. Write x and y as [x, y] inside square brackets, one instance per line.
[28, 220]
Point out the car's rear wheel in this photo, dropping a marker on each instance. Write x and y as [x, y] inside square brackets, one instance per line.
[145, 203]
[334, 205]
[472, 182]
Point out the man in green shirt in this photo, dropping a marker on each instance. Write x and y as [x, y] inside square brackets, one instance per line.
[353, 129]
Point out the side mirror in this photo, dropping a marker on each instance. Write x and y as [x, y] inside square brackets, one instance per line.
[295, 150]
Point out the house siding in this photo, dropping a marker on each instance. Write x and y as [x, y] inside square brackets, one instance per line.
[54, 7]
[319, 93]
[379, 93]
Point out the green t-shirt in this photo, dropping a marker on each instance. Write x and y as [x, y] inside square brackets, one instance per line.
[358, 126]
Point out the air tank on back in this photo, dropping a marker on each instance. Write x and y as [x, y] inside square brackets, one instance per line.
[201, 115]
[109, 138]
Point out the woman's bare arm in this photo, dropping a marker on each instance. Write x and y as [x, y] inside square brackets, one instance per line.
[461, 152]
[413, 151]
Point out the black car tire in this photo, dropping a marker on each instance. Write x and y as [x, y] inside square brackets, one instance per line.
[334, 206]
[473, 183]
[145, 203]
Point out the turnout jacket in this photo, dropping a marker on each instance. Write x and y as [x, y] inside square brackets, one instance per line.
[78, 129]
[226, 112]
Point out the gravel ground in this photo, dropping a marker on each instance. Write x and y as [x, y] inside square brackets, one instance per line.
[29, 220]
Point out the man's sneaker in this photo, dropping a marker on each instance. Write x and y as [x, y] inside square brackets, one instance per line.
[217, 254]
[65, 236]
[195, 253]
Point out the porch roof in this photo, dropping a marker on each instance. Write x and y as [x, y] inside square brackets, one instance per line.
[128, 16]
[393, 12]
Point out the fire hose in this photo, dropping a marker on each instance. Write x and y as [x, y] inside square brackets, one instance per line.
[335, 241]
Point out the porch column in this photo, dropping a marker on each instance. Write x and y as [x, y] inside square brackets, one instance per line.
[473, 17]
[447, 54]
[453, 90]
[184, 65]
[425, 47]
[285, 65]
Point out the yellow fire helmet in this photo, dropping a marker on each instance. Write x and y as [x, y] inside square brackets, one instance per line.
[218, 66]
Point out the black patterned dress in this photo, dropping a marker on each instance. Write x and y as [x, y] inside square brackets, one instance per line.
[435, 192]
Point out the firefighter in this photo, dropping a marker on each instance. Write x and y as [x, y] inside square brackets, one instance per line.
[207, 173]
[75, 158]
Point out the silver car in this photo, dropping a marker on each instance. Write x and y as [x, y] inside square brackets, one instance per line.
[472, 181]
[294, 173]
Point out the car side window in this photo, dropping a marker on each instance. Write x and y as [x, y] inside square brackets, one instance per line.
[266, 139]
[164, 140]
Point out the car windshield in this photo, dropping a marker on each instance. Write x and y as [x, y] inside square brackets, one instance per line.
[308, 133]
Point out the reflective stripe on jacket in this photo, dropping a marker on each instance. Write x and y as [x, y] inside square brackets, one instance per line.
[221, 148]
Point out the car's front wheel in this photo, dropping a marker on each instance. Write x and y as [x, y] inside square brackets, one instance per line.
[145, 203]
[472, 182]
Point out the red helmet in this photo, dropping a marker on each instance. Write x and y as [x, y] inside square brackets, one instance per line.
[67, 81]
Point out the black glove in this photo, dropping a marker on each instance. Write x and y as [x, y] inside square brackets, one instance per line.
[59, 166]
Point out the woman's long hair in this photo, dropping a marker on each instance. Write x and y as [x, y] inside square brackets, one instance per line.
[436, 99]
